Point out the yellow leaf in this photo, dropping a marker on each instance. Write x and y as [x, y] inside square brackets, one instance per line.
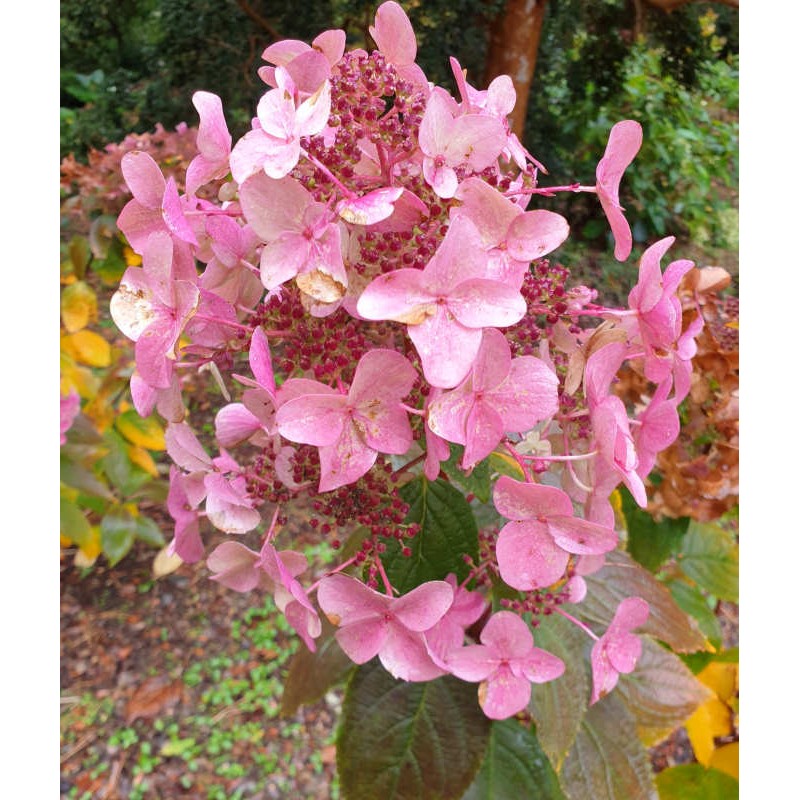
[78, 306]
[131, 259]
[91, 548]
[87, 347]
[726, 759]
[722, 678]
[164, 563]
[143, 459]
[712, 719]
[83, 380]
[146, 433]
[132, 509]
[100, 412]
[65, 540]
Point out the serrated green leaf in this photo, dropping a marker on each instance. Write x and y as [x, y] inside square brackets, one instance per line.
[651, 543]
[514, 767]
[607, 761]
[149, 532]
[661, 693]
[479, 480]
[558, 706]
[622, 577]
[408, 741]
[448, 531]
[312, 674]
[117, 532]
[695, 782]
[710, 557]
[693, 602]
[74, 524]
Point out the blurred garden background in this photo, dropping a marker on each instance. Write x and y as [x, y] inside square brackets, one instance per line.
[171, 685]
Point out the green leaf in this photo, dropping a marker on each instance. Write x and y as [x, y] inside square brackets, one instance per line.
[149, 532]
[479, 480]
[448, 531]
[514, 767]
[558, 706]
[74, 524]
[312, 674]
[695, 782]
[607, 760]
[651, 543]
[693, 602]
[111, 268]
[661, 693]
[118, 467]
[84, 480]
[622, 577]
[117, 532]
[408, 741]
[79, 255]
[710, 557]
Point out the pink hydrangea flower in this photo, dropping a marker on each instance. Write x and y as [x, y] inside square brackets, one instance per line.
[505, 663]
[446, 305]
[618, 650]
[500, 394]
[372, 624]
[351, 429]
[533, 549]
[449, 139]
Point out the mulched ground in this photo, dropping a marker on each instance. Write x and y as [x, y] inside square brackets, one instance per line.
[130, 651]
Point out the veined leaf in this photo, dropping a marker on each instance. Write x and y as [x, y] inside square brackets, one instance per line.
[143, 432]
[74, 524]
[408, 741]
[692, 601]
[622, 577]
[651, 543]
[514, 767]
[695, 782]
[312, 674]
[117, 532]
[661, 693]
[478, 482]
[147, 530]
[79, 255]
[607, 760]
[710, 557]
[448, 532]
[558, 706]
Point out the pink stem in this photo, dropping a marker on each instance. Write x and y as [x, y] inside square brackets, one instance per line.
[577, 622]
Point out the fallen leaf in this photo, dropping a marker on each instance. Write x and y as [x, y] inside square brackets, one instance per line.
[152, 698]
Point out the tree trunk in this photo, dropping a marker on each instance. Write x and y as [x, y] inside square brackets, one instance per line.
[513, 45]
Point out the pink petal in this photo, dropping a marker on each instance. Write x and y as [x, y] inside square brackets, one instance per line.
[309, 70]
[516, 500]
[234, 566]
[313, 113]
[447, 415]
[422, 607]
[536, 233]
[527, 556]
[481, 303]
[274, 207]
[504, 694]
[316, 419]
[400, 296]
[580, 536]
[260, 361]
[384, 374]
[473, 663]
[541, 666]
[172, 211]
[393, 34]
[227, 509]
[484, 428]
[346, 460]
[528, 396]
[507, 636]
[362, 640]
[370, 208]
[346, 600]
[331, 44]
[649, 289]
[137, 222]
[624, 142]
[234, 424]
[144, 178]
[493, 362]
[405, 656]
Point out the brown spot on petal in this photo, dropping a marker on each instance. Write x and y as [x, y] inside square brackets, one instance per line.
[417, 315]
[334, 619]
[321, 286]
